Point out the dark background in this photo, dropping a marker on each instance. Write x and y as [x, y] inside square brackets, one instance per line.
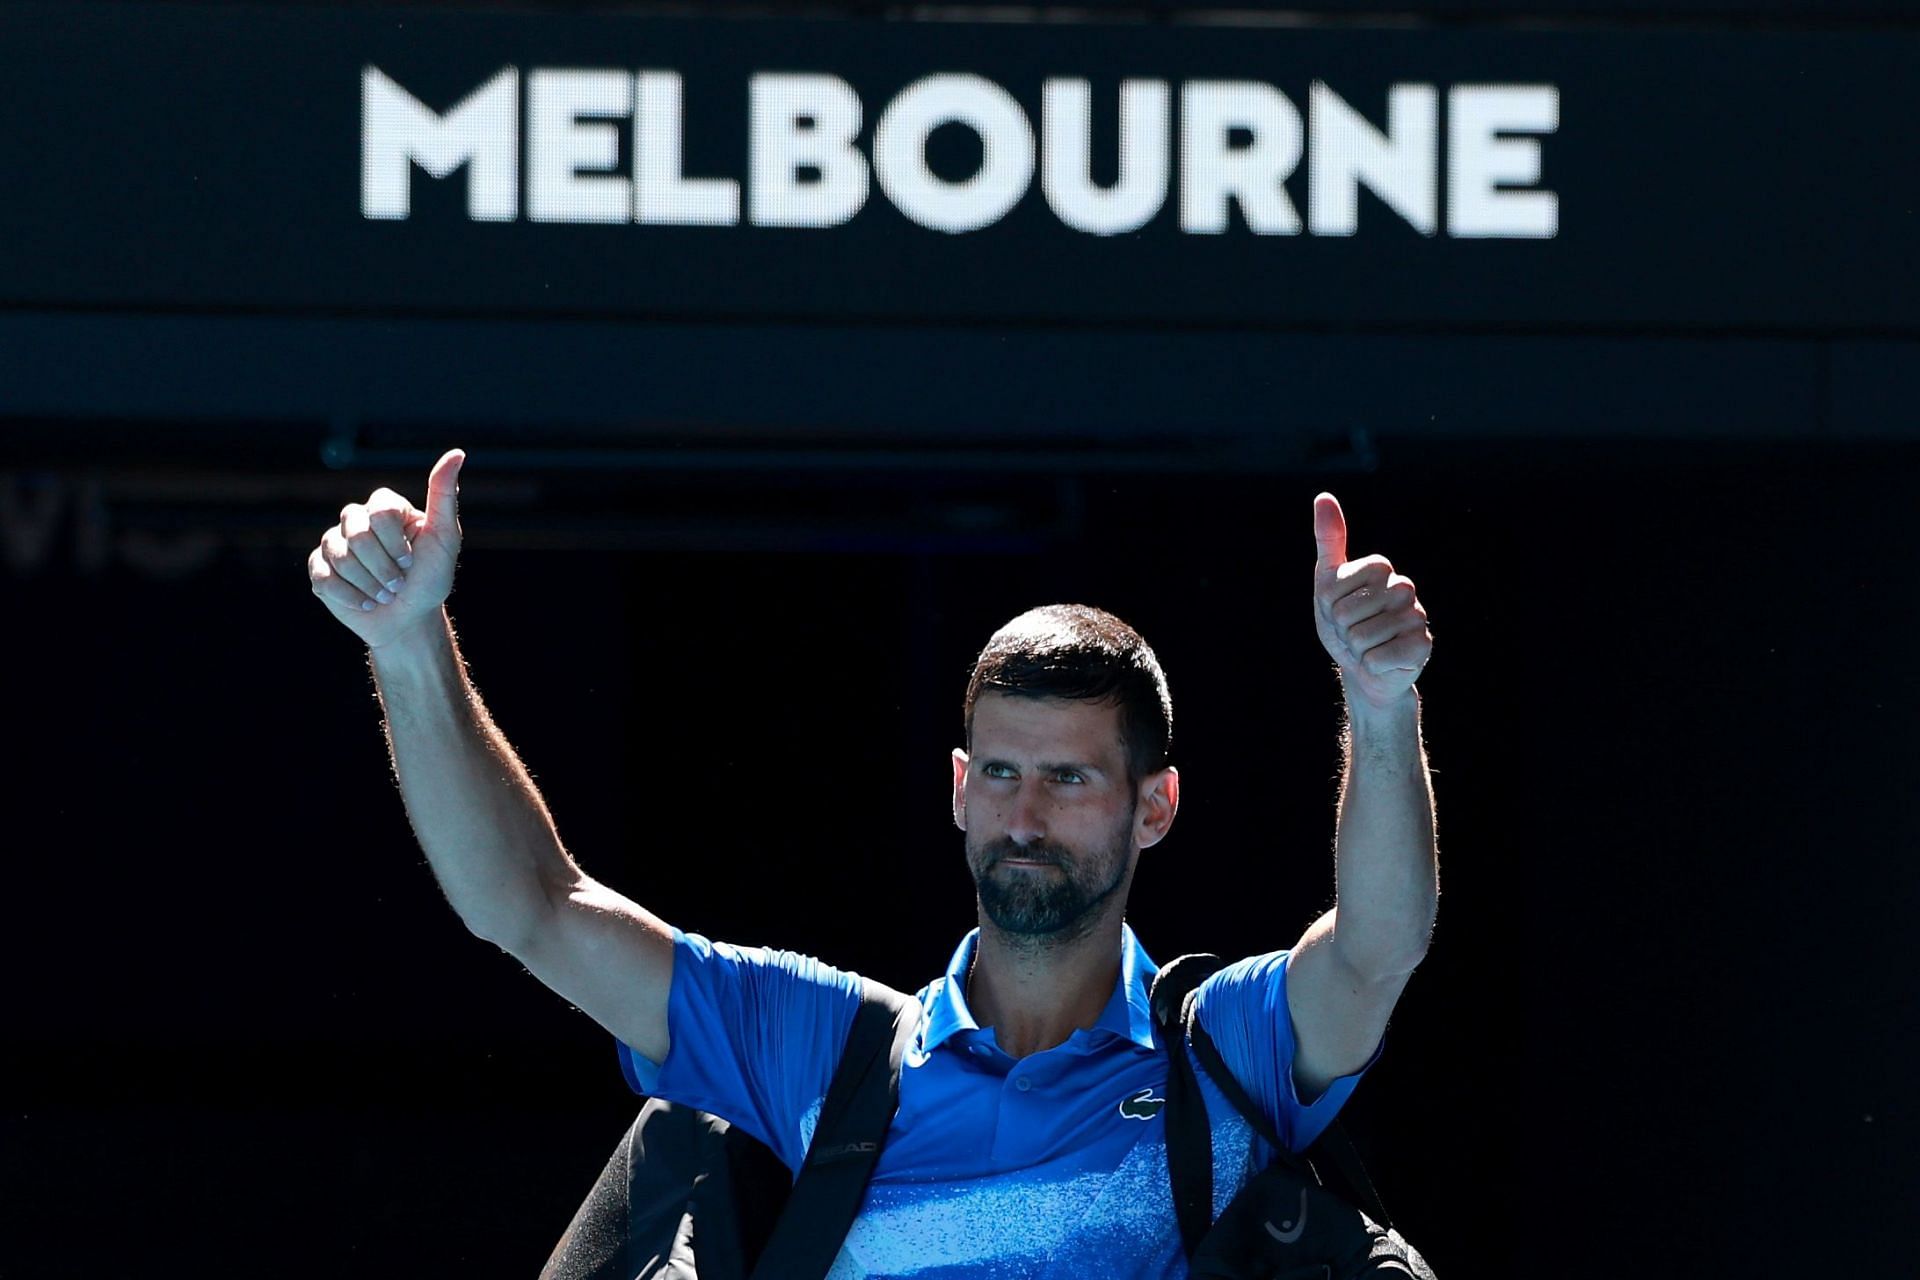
[724, 600]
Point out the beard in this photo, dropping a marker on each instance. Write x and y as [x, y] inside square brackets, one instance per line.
[1048, 906]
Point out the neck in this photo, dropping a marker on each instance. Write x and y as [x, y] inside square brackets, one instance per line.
[1035, 996]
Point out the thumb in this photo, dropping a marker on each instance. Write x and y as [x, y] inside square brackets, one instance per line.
[1329, 532]
[443, 494]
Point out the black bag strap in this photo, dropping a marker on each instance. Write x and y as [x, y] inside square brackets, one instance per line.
[860, 1103]
[1189, 1133]
[1333, 1142]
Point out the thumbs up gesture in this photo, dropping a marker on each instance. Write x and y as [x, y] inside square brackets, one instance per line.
[1367, 615]
[387, 565]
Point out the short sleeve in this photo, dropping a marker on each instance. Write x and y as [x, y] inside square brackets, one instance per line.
[754, 1036]
[1244, 1009]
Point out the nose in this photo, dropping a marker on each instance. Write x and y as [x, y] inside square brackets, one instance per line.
[1026, 823]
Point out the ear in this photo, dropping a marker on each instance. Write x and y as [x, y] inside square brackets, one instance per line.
[1158, 801]
[960, 788]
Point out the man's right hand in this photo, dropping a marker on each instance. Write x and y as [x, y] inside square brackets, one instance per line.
[478, 816]
[388, 566]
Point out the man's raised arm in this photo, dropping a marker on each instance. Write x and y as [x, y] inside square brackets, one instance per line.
[385, 572]
[1351, 965]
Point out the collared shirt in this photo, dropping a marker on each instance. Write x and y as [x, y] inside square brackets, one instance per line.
[1047, 1167]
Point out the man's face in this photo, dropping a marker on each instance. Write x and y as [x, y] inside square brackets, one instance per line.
[1048, 811]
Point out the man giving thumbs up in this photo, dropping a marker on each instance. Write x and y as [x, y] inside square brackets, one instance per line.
[1351, 965]
[1028, 1103]
[385, 572]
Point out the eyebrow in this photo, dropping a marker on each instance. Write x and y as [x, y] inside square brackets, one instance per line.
[1052, 766]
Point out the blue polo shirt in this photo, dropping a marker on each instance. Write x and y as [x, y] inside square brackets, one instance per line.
[1047, 1167]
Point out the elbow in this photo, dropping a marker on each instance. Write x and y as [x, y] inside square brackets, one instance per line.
[486, 930]
[496, 931]
[1391, 966]
[1410, 959]
[1415, 941]
[1385, 956]
[511, 921]
[509, 931]
[1407, 942]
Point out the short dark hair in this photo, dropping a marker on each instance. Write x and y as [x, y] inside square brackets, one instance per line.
[1077, 652]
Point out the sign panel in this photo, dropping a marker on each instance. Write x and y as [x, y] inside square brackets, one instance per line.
[851, 170]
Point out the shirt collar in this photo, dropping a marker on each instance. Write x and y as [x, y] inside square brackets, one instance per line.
[1127, 1016]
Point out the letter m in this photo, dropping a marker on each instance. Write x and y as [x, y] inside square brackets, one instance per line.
[481, 131]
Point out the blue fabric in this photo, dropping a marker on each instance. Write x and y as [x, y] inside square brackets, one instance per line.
[1047, 1167]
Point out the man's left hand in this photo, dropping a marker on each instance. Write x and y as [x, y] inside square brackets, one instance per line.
[1367, 615]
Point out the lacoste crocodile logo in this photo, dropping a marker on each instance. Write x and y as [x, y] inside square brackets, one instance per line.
[1142, 1105]
[1288, 1232]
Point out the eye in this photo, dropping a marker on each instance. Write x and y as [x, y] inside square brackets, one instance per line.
[994, 769]
[1068, 775]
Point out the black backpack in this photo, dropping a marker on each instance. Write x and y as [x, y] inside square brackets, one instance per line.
[1285, 1224]
[686, 1195]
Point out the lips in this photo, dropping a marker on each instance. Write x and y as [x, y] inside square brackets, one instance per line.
[1013, 855]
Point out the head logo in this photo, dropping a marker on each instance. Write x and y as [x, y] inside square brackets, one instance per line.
[1142, 1105]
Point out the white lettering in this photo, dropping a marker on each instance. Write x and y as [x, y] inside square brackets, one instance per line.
[1213, 171]
[900, 152]
[1345, 151]
[662, 192]
[561, 144]
[1240, 141]
[1483, 167]
[481, 131]
[1066, 171]
[801, 122]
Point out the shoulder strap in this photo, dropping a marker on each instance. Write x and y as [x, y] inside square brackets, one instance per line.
[1333, 1142]
[860, 1102]
[1189, 1134]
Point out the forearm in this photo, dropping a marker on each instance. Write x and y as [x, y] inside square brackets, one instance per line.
[474, 809]
[1386, 867]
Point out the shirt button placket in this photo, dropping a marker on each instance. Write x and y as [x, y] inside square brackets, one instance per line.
[1020, 1123]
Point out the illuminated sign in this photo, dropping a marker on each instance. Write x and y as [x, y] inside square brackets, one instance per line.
[1238, 142]
[517, 162]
